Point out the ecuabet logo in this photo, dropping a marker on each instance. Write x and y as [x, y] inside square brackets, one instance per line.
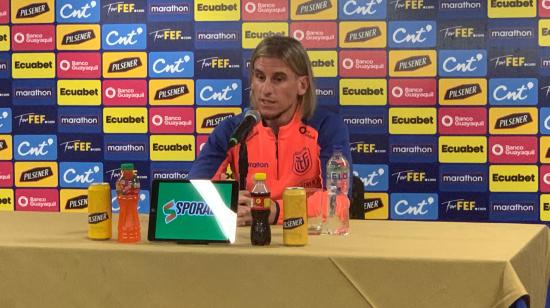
[171, 64]
[513, 91]
[124, 92]
[413, 92]
[170, 36]
[315, 34]
[374, 177]
[254, 33]
[362, 9]
[412, 34]
[32, 11]
[172, 148]
[33, 92]
[126, 147]
[170, 10]
[79, 120]
[505, 150]
[421, 149]
[462, 121]
[462, 63]
[79, 92]
[30, 119]
[5, 38]
[461, 34]
[411, 206]
[80, 175]
[457, 149]
[36, 174]
[217, 10]
[257, 10]
[73, 65]
[363, 92]
[35, 147]
[511, 8]
[37, 200]
[324, 62]
[78, 37]
[27, 37]
[124, 37]
[77, 11]
[33, 65]
[171, 92]
[123, 11]
[219, 92]
[355, 63]
[80, 147]
[413, 121]
[178, 120]
[513, 178]
[125, 120]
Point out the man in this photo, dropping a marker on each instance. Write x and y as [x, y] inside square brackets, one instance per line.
[293, 140]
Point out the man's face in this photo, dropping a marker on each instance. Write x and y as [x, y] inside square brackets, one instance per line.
[275, 89]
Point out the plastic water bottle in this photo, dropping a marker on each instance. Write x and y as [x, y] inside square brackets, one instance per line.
[337, 184]
[127, 189]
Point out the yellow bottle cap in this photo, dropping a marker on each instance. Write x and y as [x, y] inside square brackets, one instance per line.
[260, 176]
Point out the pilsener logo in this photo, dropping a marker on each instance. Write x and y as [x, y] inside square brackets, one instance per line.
[78, 37]
[36, 174]
[462, 63]
[124, 120]
[172, 209]
[171, 64]
[513, 178]
[254, 33]
[362, 34]
[413, 63]
[363, 92]
[6, 146]
[124, 37]
[413, 121]
[414, 206]
[124, 65]
[412, 34]
[32, 11]
[513, 91]
[312, 10]
[79, 92]
[219, 92]
[362, 10]
[217, 10]
[172, 148]
[77, 11]
[462, 91]
[462, 149]
[375, 205]
[209, 118]
[33, 65]
[35, 147]
[73, 200]
[80, 175]
[513, 121]
[512, 8]
[171, 92]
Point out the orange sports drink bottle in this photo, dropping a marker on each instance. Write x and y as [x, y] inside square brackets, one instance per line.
[127, 189]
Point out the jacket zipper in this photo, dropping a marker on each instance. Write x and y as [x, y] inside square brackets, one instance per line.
[277, 155]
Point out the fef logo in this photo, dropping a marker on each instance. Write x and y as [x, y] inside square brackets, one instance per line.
[513, 178]
[4, 11]
[414, 206]
[257, 10]
[27, 38]
[312, 9]
[217, 63]
[170, 10]
[36, 174]
[505, 150]
[77, 11]
[124, 65]
[254, 33]
[171, 64]
[125, 120]
[413, 63]
[219, 92]
[421, 149]
[512, 8]
[412, 92]
[32, 119]
[223, 35]
[355, 34]
[463, 92]
[171, 92]
[513, 91]
[368, 148]
[33, 65]
[73, 200]
[513, 121]
[514, 207]
[515, 62]
[413, 178]
[124, 92]
[78, 37]
[217, 10]
[126, 147]
[463, 207]
[374, 177]
[462, 121]
[412, 9]
[462, 63]
[83, 147]
[80, 175]
[362, 9]
[6, 147]
[209, 118]
[462, 177]
[412, 34]
[462, 149]
[170, 36]
[355, 63]
[324, 63]
[33, 92]
[79, 92]
[123, 11]
[7, 203]
[32, 11]
[4, 38]
[461, 34]
[78, 65]
[79, 120]
[172, 148]
[315, 34]
[124, 37]
[37, 200]
[363, 92]
[35, 147]
[175, 120]
[413, 121]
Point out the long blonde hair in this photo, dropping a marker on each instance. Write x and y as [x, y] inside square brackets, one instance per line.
[292, 53]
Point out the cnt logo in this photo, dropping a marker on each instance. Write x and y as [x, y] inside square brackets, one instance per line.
[463, 63]
[35, 147]
[5, 120]
[374, 177]
[80, 174]
[219, 92]
[363, 9]
[171, 64]
[414, 206]
[124, 36]
[78, 11]
[412, 34]
[511, 91]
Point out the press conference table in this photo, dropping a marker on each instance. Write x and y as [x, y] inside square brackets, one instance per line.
[46, 261]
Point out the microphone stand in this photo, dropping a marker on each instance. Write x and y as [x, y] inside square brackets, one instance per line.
[243, 165]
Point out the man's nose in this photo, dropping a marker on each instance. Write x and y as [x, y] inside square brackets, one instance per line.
[267, 88]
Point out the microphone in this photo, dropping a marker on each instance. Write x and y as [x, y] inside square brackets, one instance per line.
[241, 132]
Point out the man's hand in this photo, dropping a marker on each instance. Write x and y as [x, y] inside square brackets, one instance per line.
[244, 216]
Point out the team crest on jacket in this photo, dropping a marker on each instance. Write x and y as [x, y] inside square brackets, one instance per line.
[302, 161]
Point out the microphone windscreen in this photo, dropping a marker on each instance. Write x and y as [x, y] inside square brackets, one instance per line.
[253, 113]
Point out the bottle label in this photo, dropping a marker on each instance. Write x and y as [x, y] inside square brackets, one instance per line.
[97, 217]
[292, 223]
[262, 202]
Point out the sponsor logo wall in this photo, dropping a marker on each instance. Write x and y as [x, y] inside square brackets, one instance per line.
[449, 117]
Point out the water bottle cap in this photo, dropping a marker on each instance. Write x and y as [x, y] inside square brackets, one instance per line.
[260, 176]
[127, 166]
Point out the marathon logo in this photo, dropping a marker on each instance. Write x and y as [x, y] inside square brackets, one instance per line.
[217, 36]
[362, 34]
[78, 202]
[78, 120]
[124, 65]
[171, 92]
[38, 93]
[293, 223]
[33, 10]
[452, 6]
[412, 63]
[128, 147]
[511, 33]
[96, 218]
[463, 91]
[513, 120]
[36, 174]
[215, 120]
[462, 178]
[313, 7]
[78, 37]
[169, 8]
[371, 204]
